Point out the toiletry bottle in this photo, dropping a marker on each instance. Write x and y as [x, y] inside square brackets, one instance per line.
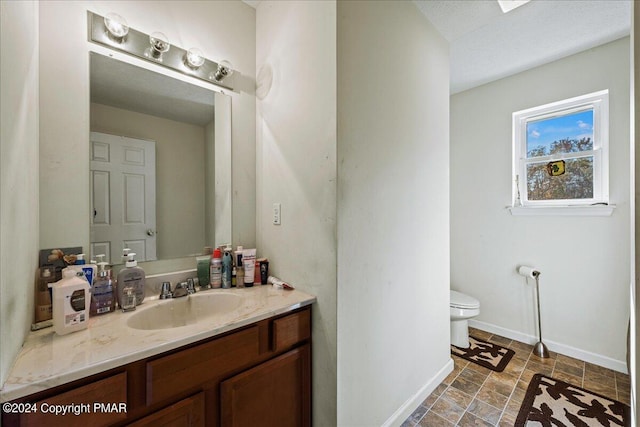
[102, 297]
[203, 264]
[71, 297]
[43, 294]
[89, 270]
[248, 263]
[133, 277]
[125, 255]
[237, 263]
[227, 265]
[216, 269]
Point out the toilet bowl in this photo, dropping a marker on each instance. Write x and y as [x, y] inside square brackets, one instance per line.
[462, 307]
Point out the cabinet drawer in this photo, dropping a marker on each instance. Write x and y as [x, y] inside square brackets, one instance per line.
[111, 392]
[291, 329]
[179, 372]
[187, 412]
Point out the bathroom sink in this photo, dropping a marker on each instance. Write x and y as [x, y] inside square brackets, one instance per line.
[189, 310]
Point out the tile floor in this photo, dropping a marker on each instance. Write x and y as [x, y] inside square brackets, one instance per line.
[475, 396]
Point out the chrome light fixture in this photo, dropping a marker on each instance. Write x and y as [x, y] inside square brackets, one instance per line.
[224, 70]
[194, 58]
[113, 32]
[116, 25]
[159, 45]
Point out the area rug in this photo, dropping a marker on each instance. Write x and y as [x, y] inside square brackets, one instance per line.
[487, 354]
[551, 402]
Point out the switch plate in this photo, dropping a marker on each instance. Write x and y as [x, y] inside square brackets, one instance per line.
[276, 214]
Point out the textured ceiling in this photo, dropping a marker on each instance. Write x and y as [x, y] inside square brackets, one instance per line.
[122, 85]
[487, 44]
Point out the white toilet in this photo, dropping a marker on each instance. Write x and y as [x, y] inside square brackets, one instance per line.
[462, 307]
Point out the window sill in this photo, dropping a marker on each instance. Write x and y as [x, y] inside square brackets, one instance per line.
[598, 210]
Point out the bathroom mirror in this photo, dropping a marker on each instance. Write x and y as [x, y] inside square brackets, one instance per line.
[160, 163]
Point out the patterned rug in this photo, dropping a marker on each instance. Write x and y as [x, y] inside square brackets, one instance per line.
[551, 402]
[487, 354]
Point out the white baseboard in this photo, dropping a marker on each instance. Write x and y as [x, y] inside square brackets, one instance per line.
[413, 402]
[587, 356]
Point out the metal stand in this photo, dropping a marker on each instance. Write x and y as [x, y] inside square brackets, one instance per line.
[539, 349]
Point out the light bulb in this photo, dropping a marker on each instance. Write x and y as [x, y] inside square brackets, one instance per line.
[116, 25]
[159, 44]
[195, 57]
[224, 70]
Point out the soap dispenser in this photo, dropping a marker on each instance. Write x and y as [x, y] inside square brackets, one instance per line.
[102, 297]
[71, 297]
[131, 278]
[88, 270]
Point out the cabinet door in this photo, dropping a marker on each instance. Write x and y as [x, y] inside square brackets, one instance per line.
[188, 412]
[276, 393]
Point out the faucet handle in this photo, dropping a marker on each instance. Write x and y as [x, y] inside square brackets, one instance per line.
[165, 291]
[191, 287]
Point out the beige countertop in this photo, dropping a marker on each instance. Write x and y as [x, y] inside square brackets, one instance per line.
[48, 360]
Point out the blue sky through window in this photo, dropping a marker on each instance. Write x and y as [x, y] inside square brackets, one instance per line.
[571, 126]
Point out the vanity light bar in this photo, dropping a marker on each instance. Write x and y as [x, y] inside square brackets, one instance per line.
[136, 43]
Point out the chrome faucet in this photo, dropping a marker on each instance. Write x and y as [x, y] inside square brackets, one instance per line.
[165, 292]
[181, 290]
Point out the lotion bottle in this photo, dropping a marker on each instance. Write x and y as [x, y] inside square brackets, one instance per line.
[70, 306]
[131, 277]
[103, 299]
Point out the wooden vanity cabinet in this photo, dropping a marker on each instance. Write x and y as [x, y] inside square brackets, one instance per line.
[256, 375]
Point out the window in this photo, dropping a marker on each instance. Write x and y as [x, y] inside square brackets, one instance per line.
[560, 153]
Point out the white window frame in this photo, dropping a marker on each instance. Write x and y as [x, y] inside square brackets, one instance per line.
[599, 102]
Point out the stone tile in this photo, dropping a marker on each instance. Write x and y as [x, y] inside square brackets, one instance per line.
[417, 415]
[507, 378]
[485, 411]
[481, 369]
[499, 386]
[598, 370]
[526, 376]
[622, 380]
[470, 420]
[600, 389]
[488, 395]
[571, 379]
[452, 376]
[465, 386]
[497, 339]
[507, 420]
[459, 362]
[430, 400]
[624, 396]
[447, 410]
[515, 366]
[481, 335]
[600, 379]
[569, 369]
[540, 368]
[570, 360]
[513, 407]
[439, 390]
[458, 397]
[521, 355]
[475, 376]
[407, 423]
[520, 346]
[433, 420]
[544, 360]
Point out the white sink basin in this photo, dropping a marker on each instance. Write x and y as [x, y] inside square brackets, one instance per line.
[189, 310]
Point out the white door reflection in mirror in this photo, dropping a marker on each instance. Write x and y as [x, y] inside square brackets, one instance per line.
[123, 197]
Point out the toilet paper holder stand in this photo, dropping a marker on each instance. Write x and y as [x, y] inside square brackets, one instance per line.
[540, 349]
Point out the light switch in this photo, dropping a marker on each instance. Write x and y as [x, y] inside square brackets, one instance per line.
[276, 214]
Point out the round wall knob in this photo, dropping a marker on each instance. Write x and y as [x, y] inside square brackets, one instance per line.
[150, 232]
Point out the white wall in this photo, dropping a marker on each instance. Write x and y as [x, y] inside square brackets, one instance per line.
[18, 174]
[296, 166]
[584, 260]
[393, 211]
[180, 174]
[222, 29]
